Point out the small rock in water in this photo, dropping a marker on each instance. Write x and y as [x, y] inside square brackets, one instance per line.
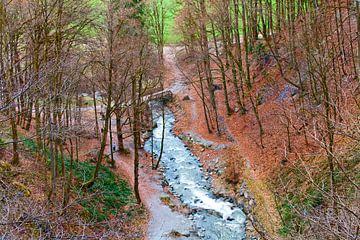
[186, 234]
[241, 192]
[246, 195]
[219, 172]
[241, 204]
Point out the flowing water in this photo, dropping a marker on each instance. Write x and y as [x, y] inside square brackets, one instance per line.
[214, 218]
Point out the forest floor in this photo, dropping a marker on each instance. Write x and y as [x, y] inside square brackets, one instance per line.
[107, 209]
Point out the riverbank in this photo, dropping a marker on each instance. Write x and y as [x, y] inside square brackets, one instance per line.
[164, 222]
[189, 116]
[214, 217]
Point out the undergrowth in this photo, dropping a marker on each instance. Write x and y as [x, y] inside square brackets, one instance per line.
[105, 198]
[299, 194]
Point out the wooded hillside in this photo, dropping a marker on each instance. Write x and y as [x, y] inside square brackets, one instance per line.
[274, 83]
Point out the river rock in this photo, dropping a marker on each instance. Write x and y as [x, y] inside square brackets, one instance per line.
[186, 234]
[220, 147]
[242, 189]
[241, 204]
[252, 203]
[219, 172]
[146, 135]
[246, 194]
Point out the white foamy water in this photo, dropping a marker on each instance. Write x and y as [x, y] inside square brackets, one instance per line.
[215, 218]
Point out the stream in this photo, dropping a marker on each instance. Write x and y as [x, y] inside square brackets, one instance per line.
[213, 217]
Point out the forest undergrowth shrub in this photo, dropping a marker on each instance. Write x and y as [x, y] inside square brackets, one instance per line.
[234, 166]
[304, 199]
[106, 197]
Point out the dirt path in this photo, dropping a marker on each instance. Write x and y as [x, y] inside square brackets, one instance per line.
[163, 221]
[175, 80]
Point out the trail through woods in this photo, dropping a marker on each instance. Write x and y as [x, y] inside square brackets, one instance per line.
[164, 222]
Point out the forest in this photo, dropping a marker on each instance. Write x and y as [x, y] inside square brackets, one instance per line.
[180, 119]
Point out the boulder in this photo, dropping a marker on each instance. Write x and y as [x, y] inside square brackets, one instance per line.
[186, 98]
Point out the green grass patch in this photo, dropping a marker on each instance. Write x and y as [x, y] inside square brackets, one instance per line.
[110, 192]
[105, 198]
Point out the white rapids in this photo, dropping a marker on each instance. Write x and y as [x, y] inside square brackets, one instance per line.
[215, 218]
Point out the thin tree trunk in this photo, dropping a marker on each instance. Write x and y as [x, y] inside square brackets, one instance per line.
[162, 138]
[111, 145]
[136, 137]
[95, 113]
[119, 132]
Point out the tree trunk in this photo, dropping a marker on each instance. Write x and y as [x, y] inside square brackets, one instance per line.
[95, 113]
[136, 137]
[119, 132]
[162, 138]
